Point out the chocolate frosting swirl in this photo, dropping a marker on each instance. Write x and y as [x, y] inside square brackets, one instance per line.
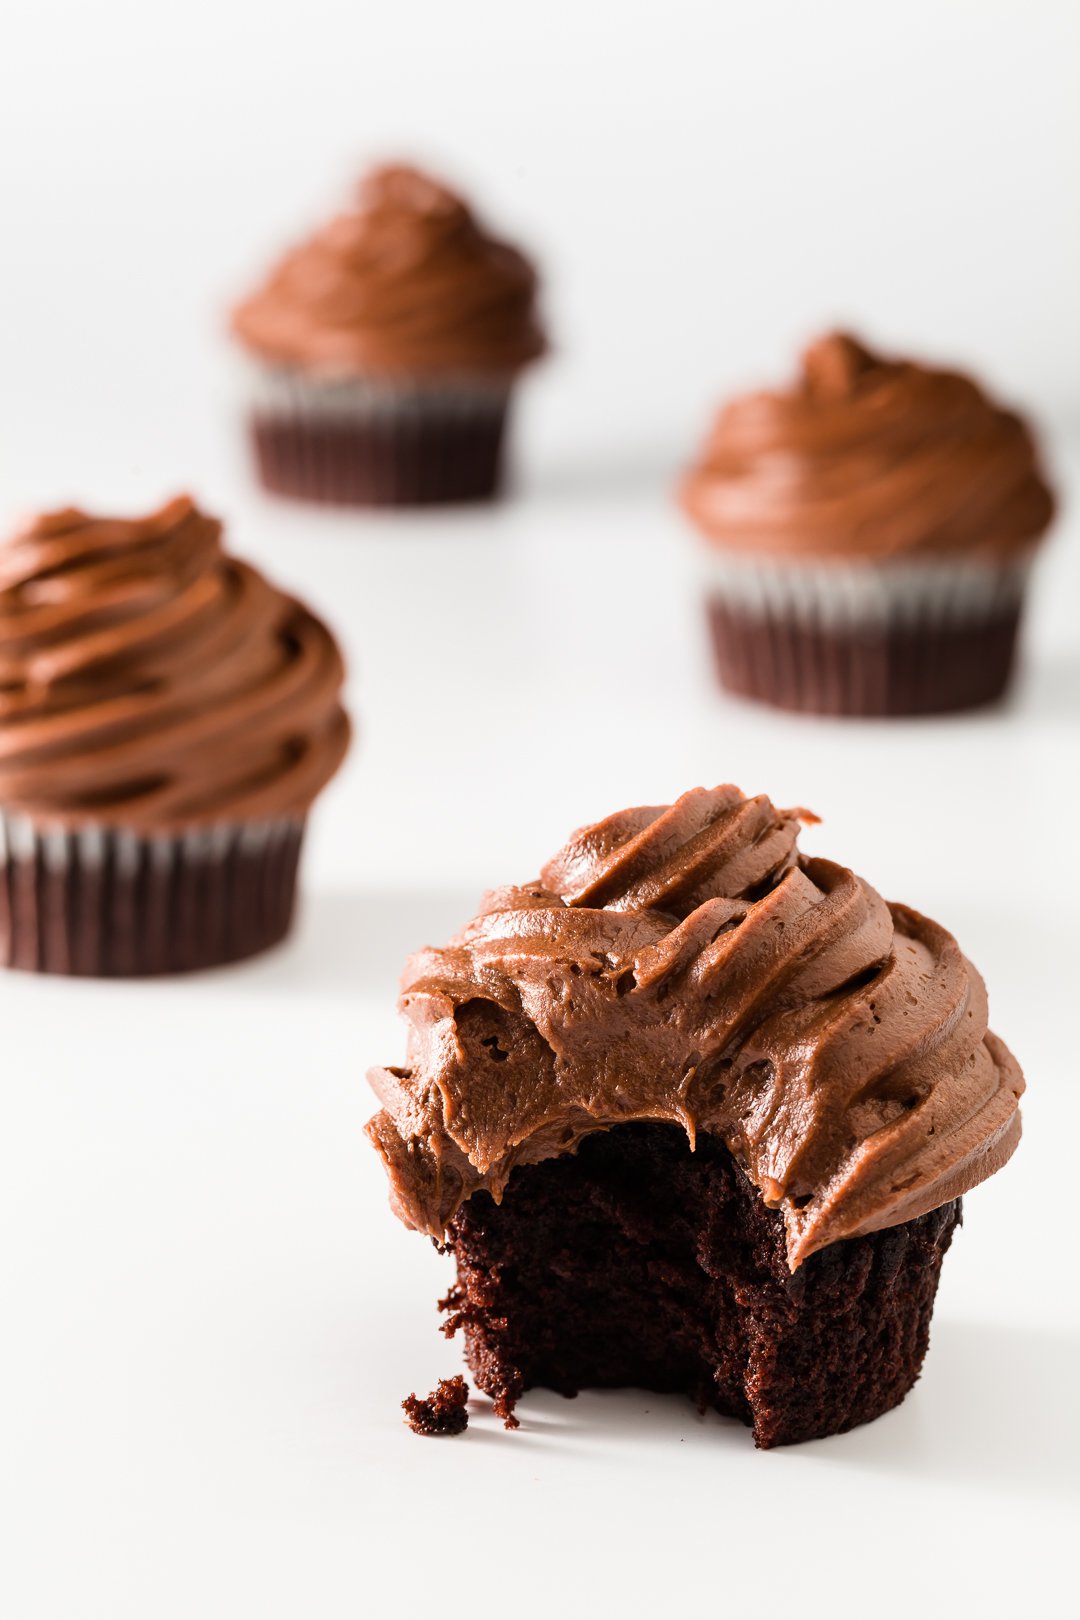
[686, 964]
[406, 283]
[149, 681]
[871, 459]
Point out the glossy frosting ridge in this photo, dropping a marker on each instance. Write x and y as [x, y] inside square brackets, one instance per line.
[405, 283]
[869, 458]
[150, 681]
[686, 964]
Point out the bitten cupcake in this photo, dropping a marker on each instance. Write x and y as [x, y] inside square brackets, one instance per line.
[166, 719]
[693, 1113]
[870, 534]
[385, 349]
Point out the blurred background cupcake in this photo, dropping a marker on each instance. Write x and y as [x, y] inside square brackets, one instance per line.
[384, 351]
[166, 719]
[870, 535]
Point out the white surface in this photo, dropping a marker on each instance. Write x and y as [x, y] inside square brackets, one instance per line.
[706, 186]
[209, 1316]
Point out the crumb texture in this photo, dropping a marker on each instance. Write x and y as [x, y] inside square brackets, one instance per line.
[637, 1263]
[444, 1412]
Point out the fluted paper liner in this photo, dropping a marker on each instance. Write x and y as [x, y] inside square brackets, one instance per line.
[893, 638]
[110, 903]
[370, 442]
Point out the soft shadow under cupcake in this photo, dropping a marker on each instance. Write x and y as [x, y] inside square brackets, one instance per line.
[998, 1408]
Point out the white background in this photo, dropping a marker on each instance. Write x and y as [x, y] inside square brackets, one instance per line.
[208, 1316]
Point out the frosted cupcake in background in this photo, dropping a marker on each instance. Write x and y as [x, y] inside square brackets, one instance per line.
[870, 535]
[166, 719]
[385, 349]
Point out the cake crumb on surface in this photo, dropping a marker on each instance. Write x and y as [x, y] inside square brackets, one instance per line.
[444, 1411]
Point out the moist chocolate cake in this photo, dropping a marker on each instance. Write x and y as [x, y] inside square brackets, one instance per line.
[445, 1411]
[693, 1112]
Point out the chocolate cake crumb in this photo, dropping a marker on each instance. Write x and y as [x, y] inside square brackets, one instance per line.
[462, 1312]
[639, 1264]
[444, 1411]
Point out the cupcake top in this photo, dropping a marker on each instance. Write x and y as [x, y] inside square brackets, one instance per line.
[867, 458]
[406, 283]
[150, 682]
[685, 963]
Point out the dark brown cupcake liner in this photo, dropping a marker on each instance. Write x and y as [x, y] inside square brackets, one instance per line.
[409, 453]
[637, 1263]
[111, 904]
[876, 670]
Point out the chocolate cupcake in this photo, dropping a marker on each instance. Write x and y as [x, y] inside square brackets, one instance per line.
[870, 532]
[693, 1113]
[384, 351]
[166, 719]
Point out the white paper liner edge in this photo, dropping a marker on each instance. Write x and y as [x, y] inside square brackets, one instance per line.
[22, 837]
[907, 593]
[270, 391]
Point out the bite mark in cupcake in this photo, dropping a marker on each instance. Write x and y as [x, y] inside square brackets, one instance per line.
[684, 1001]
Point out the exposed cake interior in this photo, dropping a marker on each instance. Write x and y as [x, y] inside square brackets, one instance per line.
[637, 1263]
[694, 1111]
